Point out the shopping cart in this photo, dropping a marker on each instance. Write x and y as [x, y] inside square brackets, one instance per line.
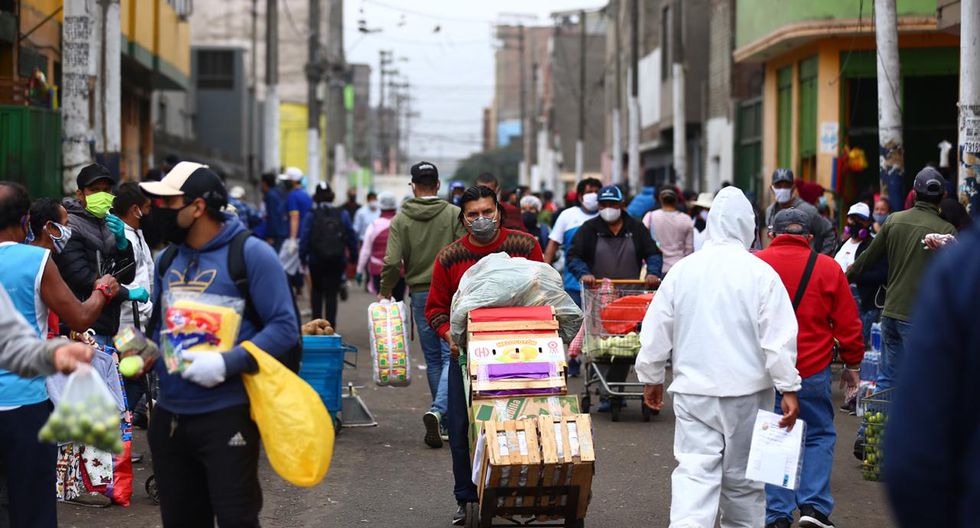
[614, 310]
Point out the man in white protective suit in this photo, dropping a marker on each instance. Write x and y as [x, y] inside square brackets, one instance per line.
[724, 319]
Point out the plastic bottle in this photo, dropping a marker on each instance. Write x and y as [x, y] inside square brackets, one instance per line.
[869, 365]
[876, 337]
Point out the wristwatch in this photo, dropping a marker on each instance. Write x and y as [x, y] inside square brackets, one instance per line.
[106, 290]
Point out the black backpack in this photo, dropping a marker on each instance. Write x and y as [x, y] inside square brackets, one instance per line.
[328, 236]
[238, 274]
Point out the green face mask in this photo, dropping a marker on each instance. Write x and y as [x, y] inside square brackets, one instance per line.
[99, 203]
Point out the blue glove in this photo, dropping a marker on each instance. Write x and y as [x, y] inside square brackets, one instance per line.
[359, 278]
[118, 229]
[139, 294]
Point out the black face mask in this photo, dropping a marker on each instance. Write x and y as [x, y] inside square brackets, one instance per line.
[166, 219]
[530, 220]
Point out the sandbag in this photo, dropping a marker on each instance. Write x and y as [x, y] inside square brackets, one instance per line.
[296, 429]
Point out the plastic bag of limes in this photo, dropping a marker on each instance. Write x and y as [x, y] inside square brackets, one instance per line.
[86, 413]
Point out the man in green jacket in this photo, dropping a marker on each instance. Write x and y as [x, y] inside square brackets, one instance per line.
[901, 242]
[423, 226]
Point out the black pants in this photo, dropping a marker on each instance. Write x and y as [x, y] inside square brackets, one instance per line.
[135, 390]
[398, 292]
[28, 467]
[326, 287]
[206, 467]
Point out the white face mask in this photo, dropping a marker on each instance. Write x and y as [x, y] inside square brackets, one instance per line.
[373, 206]
[610, 214]
[590, 202]
[783, 195]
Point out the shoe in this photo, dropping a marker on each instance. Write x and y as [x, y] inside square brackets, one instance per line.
[91, 500]
[604, 405]
[139, 420]
[780, 523]
[343, 291]
[811, 518]
[136, 458]
[443, 433]
[432, 437]
[459, 518]
[574, 367]
[859, 448]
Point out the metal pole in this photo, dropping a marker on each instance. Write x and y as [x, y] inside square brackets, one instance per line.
[890, 148]
[314, 73]
[679, 87]
[524, 175]
[617, 129]
[270, 124]
[252, 85]
[580, 142]
[382, 139]
[634, 103]
[969, 118]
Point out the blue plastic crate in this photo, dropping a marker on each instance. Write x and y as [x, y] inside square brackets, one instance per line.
[319, 343]
[323, 367]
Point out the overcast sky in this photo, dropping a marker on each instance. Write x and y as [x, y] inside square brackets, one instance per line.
[448, 45]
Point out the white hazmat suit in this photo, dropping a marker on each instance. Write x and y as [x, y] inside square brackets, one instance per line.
[725, 320]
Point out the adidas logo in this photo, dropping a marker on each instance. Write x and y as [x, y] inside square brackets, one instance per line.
[237, 441]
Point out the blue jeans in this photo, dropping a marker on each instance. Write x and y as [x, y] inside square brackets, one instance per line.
[868, 317]
[893, 335]
[458, 423]
[817, 411]
[435, 350]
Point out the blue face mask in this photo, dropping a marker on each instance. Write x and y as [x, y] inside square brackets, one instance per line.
[880, 218]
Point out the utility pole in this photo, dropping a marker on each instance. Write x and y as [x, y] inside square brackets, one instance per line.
[270, 124]
[890, 148]
[524, 174]
[314, 74]
[78, 66]
[969, 106]
[580, 142]
[634, 102]
[679, 86]
[384, 61]
[336, 77]
[108, 94]
[252, 90]
[617, 129]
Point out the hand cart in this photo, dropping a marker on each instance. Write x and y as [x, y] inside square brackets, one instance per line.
[613, 311]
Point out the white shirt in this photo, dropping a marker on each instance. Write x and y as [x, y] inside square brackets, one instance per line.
[721, 315]
[848, 252]
[144, 278]
[569, 220]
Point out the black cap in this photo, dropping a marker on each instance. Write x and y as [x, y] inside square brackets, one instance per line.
[790, 217]
[93, 173]
[782, 175]
[929, 182]
[190, 180]
[425, 173]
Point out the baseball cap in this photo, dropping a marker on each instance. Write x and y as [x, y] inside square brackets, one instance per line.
[456, 185]
[610, 193]
[190, 180]
[292, 174]
[860, 209]
[789, 217]
[928, 182]
[782, 175]
[387, 201]
[424, 172]
[93, 173]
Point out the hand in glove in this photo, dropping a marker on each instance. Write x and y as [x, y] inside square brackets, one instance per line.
[118, 229]
[207, 369]
[139, 294]
[359, 278]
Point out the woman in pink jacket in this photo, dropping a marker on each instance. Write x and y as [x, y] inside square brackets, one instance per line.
[371, 258]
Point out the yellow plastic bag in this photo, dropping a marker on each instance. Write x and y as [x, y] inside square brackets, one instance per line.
[295, 427]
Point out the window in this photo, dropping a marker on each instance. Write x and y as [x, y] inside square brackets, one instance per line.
[808, 108]
[748, 150]
[215, 69]
[28, 59]
[784, 116]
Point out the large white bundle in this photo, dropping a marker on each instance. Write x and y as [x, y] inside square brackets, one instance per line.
[498, 280]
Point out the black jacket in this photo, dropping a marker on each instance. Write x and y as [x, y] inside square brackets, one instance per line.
[870, 281]
[91, 245]
[581, 257]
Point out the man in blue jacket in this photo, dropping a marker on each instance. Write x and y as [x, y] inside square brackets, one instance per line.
[205, 445]
[932, 469]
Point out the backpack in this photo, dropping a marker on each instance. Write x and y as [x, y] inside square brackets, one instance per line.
[328, 236]
[239, 275]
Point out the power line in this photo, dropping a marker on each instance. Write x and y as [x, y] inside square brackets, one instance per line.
[427, 15]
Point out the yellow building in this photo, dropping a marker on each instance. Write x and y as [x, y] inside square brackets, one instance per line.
[820, 89]
[293, 138]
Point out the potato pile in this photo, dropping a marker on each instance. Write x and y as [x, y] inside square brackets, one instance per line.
[318, 327]
[94, 422]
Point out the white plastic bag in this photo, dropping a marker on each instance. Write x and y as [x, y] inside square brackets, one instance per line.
[498, 280]
[289, 256]
[86, 413]
[389, 344]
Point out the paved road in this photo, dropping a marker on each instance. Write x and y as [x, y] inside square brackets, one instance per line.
[386, 476]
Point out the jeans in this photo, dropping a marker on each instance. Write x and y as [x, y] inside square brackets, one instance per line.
[436, 352]
[459, 435]
[326, 287]
[868, 317]
[28, 466]
[893, 335]
[817, 411]
[206, 467]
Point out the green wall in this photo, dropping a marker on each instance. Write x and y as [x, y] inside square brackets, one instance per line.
[757, 18]
[30, 149]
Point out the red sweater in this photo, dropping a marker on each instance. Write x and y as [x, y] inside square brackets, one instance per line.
[453, 261]
[827, 311]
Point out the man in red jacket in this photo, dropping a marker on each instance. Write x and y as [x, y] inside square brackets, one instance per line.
[825, 311]
[482, 217]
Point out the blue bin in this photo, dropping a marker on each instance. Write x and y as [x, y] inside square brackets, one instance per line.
[323, 368]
